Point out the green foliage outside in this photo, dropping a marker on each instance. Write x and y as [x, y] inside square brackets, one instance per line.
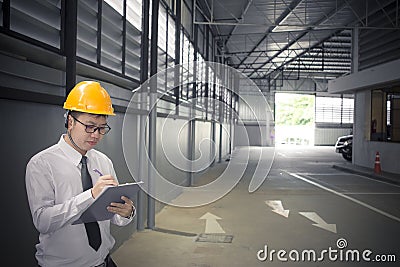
[294, 109]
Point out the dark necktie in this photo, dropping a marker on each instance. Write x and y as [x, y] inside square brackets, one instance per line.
[92, 228]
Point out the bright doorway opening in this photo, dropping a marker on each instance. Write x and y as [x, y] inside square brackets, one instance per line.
[294, 119]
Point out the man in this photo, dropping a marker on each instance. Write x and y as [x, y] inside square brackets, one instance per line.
[63, 180]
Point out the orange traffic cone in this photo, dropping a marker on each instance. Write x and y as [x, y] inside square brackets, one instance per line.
[377, 168]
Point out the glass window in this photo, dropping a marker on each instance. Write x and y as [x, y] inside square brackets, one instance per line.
[347, 110]
[111, 37]
[171, 37]
[385, 115]
[162, 28]
[134, 13]
[186, 17]
[37, 19]
[118, 5]
[133, 38]
[87, 30]
[334, 110]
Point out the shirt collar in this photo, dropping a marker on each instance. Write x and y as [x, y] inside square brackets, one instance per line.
[71, 153]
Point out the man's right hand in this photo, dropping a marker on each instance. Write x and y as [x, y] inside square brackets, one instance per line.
[103, 181]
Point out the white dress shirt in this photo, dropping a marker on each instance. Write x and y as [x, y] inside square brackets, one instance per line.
[56, 200]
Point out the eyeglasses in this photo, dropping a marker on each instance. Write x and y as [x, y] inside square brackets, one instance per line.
[93, 128]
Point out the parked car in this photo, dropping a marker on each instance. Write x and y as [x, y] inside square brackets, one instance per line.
[344, 145]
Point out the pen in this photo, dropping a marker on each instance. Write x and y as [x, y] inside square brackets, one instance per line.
[96, 170]
[99, 172]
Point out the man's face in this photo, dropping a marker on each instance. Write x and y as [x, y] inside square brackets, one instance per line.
[82, 139]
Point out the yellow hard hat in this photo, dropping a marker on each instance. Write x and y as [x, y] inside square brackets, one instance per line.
[89, 97]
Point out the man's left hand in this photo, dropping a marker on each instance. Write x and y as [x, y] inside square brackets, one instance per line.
[125, 209]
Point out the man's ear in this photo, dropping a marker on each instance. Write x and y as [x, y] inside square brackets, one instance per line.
[67, 120]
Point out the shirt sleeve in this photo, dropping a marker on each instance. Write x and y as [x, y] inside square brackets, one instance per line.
[122, 221]
[46, 214]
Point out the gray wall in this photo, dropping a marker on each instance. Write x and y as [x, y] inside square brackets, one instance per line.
[363, 149]
[327, 136]
[255, 134]
[29, 128]
[164, 166]
[202, 151]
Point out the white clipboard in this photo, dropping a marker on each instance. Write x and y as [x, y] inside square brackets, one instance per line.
[98, 210]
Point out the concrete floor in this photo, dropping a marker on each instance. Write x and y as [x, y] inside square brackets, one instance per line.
[365, 213]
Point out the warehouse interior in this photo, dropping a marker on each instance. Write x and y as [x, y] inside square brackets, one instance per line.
[233, 57]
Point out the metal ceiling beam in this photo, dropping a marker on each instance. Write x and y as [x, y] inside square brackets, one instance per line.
[200, 8]
[300, 65]
[286, 13]
[307, 64]
[327, 49]
[308, 27]
[332, 51]
[241, 18]
[302, 35]
[318, 68]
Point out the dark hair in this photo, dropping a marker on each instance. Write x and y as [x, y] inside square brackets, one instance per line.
[76, 114]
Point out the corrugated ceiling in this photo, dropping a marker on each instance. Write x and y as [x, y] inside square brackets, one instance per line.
[283, 39]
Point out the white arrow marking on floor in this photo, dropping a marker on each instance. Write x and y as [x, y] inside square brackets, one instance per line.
[277, 207]
[212, 226]
[319, 222]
